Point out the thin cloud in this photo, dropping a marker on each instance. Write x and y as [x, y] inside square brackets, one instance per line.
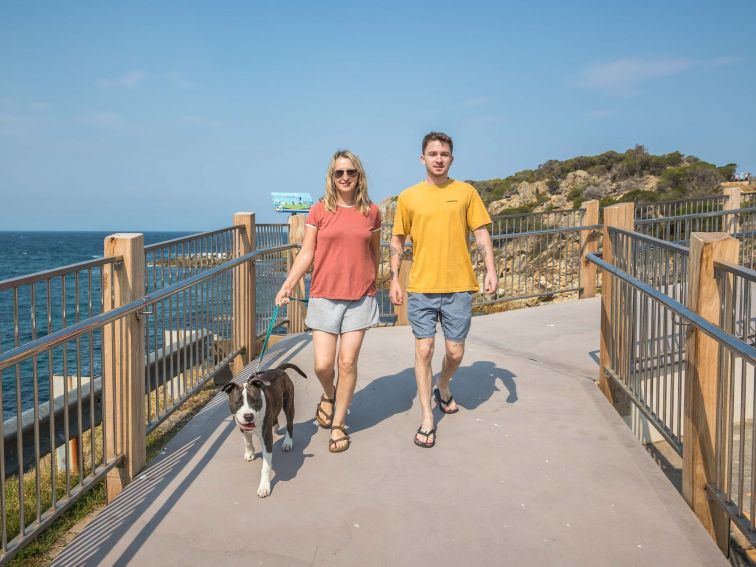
[478, 101]
[602, 112]
[110, 121]
[628, 75]
[178, 79]
[129, 80]
[201, 121]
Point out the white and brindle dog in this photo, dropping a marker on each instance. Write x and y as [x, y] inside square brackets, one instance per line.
[256, 406]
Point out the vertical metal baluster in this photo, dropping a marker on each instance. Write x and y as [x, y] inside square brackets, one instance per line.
[35, 387]
[79, 407]
[66, 417]
[19, 423]
[4, 528]
[92, 379]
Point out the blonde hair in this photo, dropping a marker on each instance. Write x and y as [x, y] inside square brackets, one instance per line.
[361, 199]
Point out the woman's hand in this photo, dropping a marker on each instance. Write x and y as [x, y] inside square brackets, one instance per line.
[282, 297]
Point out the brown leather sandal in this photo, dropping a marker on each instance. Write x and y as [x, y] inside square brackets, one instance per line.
[327, 418]
[333, 444]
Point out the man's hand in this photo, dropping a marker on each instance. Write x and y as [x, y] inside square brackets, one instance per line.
[491, 282]
[395, 293]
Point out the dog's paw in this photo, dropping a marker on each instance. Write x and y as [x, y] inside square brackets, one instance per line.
[263, 490]
[287, 444]
[249, 456]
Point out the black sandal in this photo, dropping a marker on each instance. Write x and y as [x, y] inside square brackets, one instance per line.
[327, 420]
[333, 444]
[425, 444]
[444, 404]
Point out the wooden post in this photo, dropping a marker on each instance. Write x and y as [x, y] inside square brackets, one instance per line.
[588, 245]
[244, 292]
[296, 308]
[730, 223]
[618, 216]
[123, 364]
[701, 383]
[404, 272]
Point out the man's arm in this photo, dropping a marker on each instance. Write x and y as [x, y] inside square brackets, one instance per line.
[485, 247]
[396, 249]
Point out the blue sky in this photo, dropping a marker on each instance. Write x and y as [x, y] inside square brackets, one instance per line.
[174, 115]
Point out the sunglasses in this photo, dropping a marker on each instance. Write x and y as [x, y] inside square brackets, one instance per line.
[339, 173]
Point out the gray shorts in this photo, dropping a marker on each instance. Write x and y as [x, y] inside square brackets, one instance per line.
[454, 310]
[341, 316]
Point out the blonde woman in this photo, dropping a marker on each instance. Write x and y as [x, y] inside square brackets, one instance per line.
[342, 241]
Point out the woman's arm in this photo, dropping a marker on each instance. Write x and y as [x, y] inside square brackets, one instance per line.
[301, 263]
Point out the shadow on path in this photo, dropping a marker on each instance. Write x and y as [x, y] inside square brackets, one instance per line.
[475, 384]
[389, 395]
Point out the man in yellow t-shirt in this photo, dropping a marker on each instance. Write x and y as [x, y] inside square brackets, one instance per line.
[437, 214]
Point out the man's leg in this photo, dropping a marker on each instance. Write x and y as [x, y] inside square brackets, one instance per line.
[349, 351]
[324, 349]
[456, 316]
[452, 359]
[424, 379]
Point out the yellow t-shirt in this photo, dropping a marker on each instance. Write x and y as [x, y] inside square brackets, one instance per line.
[438, 218]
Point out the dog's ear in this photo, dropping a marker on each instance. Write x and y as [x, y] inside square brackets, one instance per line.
[228, 387]
[257, 383]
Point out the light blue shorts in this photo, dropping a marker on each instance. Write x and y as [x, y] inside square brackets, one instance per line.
[342, 316]
[454, 310]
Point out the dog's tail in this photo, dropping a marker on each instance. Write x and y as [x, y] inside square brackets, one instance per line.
[286, 365]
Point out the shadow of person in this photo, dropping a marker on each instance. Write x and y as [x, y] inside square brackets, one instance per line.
[382, 398]
[473, 385]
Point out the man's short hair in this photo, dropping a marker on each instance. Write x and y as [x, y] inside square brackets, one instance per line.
[438, 137]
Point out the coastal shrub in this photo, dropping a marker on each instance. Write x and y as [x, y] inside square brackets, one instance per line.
[640, 196]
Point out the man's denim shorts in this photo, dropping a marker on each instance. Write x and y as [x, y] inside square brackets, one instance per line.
[454, 310]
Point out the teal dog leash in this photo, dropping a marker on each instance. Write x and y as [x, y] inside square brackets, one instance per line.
[271, 325]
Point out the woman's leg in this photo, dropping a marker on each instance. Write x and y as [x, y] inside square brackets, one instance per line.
[349, 352]
[324, 349]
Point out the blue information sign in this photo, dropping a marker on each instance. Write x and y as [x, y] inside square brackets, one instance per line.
[291, 202]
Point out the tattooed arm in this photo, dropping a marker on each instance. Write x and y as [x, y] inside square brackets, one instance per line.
[396, 248]
[485, 247]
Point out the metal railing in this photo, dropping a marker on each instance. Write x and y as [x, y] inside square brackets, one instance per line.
[39, 304]
[736, 444]
[532, 222]
[741, 223]
[190, 333]
[536, 263]
[174, 260]
[648, 329]
[661, 264]
[647, 353]
[680, 207]
[270, 235]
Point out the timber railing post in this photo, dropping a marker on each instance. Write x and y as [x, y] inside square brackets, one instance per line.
[404, 271]
[244, 292]
[734, 199]
[588, 245]
[296, 308]
[702, 383]
[123, 364]
[618, 216]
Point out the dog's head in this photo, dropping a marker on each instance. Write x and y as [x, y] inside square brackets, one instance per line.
[246, 402]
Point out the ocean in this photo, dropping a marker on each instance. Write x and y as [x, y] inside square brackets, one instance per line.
[24, 253]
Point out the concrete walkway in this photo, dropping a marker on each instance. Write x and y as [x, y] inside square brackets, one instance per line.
[537, 469]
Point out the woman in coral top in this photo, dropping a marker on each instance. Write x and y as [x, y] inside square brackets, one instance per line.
[342, 241]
